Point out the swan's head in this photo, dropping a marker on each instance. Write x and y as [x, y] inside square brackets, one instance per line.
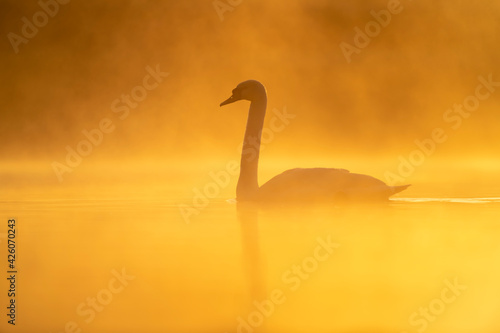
[250, 90]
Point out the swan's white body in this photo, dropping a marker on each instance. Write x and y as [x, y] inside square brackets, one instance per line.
[313, 184]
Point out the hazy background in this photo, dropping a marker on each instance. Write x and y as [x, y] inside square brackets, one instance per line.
[360, 116]
[120, 206]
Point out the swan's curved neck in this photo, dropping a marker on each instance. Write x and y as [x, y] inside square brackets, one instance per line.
[248, 184]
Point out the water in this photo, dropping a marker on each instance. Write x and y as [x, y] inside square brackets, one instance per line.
[236, 268]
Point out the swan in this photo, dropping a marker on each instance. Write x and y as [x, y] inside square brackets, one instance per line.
[300, 184]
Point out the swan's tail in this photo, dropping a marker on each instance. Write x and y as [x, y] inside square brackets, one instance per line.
[397, 189]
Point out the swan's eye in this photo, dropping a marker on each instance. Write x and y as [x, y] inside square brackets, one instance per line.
[236, 92]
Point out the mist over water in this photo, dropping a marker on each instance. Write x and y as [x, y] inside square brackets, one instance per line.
[428, 58]
[116, 154]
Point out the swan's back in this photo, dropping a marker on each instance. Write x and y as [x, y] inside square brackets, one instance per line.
[324, 184]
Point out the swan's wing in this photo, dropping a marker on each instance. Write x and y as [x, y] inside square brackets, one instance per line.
[302, 184]
[309, 172]
[324, 184]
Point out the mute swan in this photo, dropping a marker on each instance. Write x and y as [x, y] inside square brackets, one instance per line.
[299, 184]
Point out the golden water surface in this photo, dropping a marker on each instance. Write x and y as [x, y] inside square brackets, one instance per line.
[116, 254]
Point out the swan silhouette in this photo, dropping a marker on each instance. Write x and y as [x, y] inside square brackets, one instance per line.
[311, 184]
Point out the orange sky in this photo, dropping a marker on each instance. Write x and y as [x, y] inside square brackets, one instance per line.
[396, 90]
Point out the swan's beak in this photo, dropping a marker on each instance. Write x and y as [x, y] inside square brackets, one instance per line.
[229, 101]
